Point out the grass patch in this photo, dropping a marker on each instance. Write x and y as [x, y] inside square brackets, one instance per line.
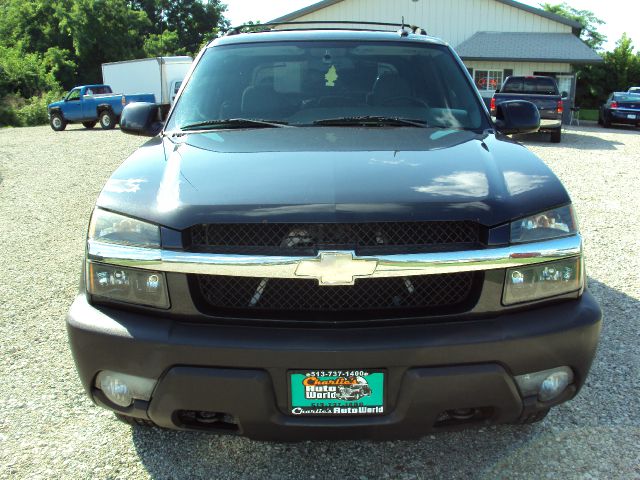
[589, 114]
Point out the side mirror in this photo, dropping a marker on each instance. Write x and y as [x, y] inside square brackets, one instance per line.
[141, 118]
[565, 95]
[517, 116]
[497, 90]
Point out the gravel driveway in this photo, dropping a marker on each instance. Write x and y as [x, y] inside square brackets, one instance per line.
[49, 428]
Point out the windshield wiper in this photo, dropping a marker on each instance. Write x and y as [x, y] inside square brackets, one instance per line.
[377, 120]
[235, 123]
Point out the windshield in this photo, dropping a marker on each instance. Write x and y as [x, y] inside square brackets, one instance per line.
[307, 83]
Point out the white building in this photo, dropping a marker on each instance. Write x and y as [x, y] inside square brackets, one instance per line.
[494, 38]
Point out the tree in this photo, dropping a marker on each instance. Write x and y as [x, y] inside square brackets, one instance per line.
[586, 18]
[619, 71]
[154, 11]
[167, 43]
[34, 24]
[623, 66]
[24, 73]
[102, 31]
[591, 78]
[193, 21]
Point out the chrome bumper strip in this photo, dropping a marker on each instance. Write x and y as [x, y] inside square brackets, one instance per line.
[336, 267]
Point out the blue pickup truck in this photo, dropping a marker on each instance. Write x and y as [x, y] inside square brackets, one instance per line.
[90, 104]
[543, 93]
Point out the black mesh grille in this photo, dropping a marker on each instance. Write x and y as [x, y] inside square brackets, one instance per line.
[304, 299]
[280, 238]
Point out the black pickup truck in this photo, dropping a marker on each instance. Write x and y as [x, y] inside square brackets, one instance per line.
[329, 237]
[543, 93]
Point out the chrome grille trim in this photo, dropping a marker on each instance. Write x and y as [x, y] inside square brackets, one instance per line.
[401, 265]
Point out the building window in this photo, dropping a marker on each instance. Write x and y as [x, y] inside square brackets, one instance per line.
[487, 80]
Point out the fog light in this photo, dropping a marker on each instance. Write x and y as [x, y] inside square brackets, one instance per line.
[546, 384]
[553, 386]
[115, 390]
[122, 389]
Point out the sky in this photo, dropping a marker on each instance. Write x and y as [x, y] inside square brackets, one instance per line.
[611, 11]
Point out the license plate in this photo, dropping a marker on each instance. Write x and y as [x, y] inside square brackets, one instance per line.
[632, 117]
[337, 392]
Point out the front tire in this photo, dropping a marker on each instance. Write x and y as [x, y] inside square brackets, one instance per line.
[89, 125]
[57, 122]
[107, 120]
[556, 136]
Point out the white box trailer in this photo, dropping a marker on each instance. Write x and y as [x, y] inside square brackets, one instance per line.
[161, 76]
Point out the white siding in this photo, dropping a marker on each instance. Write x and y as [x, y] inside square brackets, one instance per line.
[454, 20]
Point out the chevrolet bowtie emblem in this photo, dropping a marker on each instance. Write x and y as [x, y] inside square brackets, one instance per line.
[336, 268]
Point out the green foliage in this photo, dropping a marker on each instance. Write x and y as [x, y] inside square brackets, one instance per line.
[624, 66]
[60, 62]
[8, 116]
[195, 22]
[586, 18]
[153, 10]
[167, 43]
[102, 31]
[48, 45]
[24, 73]
[589, 114]
[18, 112]
[34, 110]
[33, 24]
[619, 71]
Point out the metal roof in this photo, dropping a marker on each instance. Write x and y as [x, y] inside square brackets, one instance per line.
[527, 47]
[536, 11]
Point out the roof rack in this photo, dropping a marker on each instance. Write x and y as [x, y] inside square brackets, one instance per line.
[403, 29]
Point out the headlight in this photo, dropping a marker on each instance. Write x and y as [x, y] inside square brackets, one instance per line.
[124, 284]
[559, 222]
[110, 227]
[130, 285]
[543, 280]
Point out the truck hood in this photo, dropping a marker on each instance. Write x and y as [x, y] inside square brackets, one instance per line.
[55, 104]
[331, 174]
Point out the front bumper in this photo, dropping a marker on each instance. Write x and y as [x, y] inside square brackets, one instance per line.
[241, 372]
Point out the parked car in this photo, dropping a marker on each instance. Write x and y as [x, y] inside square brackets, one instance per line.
[330, 238]
[90, 104]
[543, 93]
[620, 107]
[161, 76]
[634, 90]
